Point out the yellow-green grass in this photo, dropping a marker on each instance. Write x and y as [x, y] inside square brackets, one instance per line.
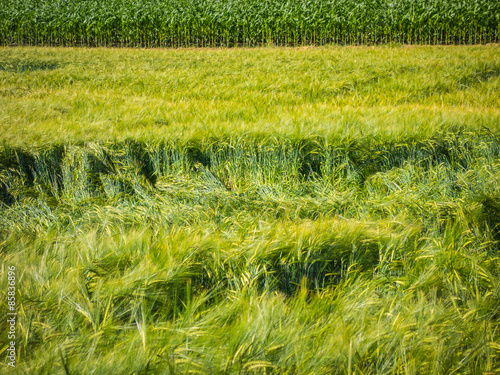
[251, 211]
[72, 95]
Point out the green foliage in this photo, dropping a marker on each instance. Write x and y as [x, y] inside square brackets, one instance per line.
[156, 23]
[239, 255]
[352, 93]
[369, 245]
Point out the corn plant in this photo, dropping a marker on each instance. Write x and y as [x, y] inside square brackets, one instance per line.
[155, 23]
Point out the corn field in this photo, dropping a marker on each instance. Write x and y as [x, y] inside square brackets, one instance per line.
[211, 23]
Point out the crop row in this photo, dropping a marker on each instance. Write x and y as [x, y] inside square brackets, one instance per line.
[158, 23]
[237, 166]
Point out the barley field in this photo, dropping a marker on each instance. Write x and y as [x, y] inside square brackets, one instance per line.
[306, 210]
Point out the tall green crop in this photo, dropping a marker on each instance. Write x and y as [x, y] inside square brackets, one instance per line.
[156, 23]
